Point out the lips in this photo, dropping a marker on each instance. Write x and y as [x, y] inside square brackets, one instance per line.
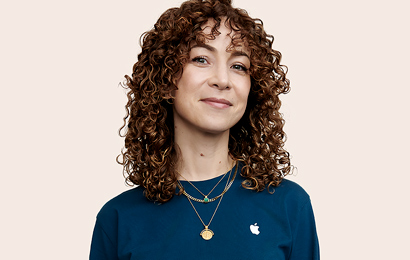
[217, 102]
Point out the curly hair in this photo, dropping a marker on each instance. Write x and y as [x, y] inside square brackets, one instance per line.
[149, 156]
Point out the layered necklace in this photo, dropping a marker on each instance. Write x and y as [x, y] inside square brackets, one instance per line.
[205, 199]
[207, 233]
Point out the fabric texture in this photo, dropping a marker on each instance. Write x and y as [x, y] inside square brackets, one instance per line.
[131, 227]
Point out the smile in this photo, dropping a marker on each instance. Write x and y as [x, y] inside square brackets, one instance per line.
[216, 102]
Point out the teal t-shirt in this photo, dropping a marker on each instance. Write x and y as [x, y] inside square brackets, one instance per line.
[247, 225]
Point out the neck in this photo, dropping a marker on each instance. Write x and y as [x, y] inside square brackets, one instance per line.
[202, 156]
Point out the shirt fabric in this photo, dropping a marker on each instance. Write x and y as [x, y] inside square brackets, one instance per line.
[131, 227]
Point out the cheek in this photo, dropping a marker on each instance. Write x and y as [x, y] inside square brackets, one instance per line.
[181, 90]
[244, 94]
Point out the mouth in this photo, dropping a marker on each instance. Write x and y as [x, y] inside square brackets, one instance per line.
[217, 102]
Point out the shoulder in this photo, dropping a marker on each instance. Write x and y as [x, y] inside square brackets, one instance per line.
[291, 193]
[292, 189]
[288, 196]
[127, 200]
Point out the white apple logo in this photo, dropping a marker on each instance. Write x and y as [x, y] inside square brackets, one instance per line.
[255, 229]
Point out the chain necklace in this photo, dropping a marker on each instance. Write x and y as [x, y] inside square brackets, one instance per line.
[205, 199]
[207, 233]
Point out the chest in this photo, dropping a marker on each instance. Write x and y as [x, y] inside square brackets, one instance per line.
[243, 226]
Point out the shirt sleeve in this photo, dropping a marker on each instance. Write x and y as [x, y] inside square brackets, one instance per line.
[102, 247]
[305, 241]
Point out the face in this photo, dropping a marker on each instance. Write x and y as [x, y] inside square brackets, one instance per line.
[213, 89]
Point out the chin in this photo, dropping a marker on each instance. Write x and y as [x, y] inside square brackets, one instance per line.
[216, 129]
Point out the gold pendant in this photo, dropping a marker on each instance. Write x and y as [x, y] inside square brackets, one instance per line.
[207, 233]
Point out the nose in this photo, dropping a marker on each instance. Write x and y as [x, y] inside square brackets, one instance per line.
[219, 77]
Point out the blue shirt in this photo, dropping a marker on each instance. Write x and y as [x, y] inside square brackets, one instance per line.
[247, 225]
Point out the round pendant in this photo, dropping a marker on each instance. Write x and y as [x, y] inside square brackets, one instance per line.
[207, 234]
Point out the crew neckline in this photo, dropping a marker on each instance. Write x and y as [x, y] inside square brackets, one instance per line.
[217, 178]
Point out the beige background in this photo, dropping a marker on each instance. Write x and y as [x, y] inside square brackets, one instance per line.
[347, 118]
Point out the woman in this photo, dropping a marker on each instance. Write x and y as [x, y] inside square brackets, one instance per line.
[204, 143]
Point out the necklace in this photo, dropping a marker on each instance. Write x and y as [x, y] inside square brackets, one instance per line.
[206, 199]
[207, 233]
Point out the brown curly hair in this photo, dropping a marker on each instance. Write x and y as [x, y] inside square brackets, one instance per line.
[149, 156]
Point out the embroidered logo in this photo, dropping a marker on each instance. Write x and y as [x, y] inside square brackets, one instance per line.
[255, 229]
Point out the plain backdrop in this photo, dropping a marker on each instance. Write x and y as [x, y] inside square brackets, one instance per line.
[61, 107]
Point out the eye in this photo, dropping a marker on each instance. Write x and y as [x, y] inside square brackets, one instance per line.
[239, 67]
[200, 59]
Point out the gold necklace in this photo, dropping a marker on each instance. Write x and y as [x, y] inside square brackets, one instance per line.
[207, 233]
[206, 199]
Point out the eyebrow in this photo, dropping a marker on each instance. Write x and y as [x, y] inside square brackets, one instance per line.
[212, 49]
